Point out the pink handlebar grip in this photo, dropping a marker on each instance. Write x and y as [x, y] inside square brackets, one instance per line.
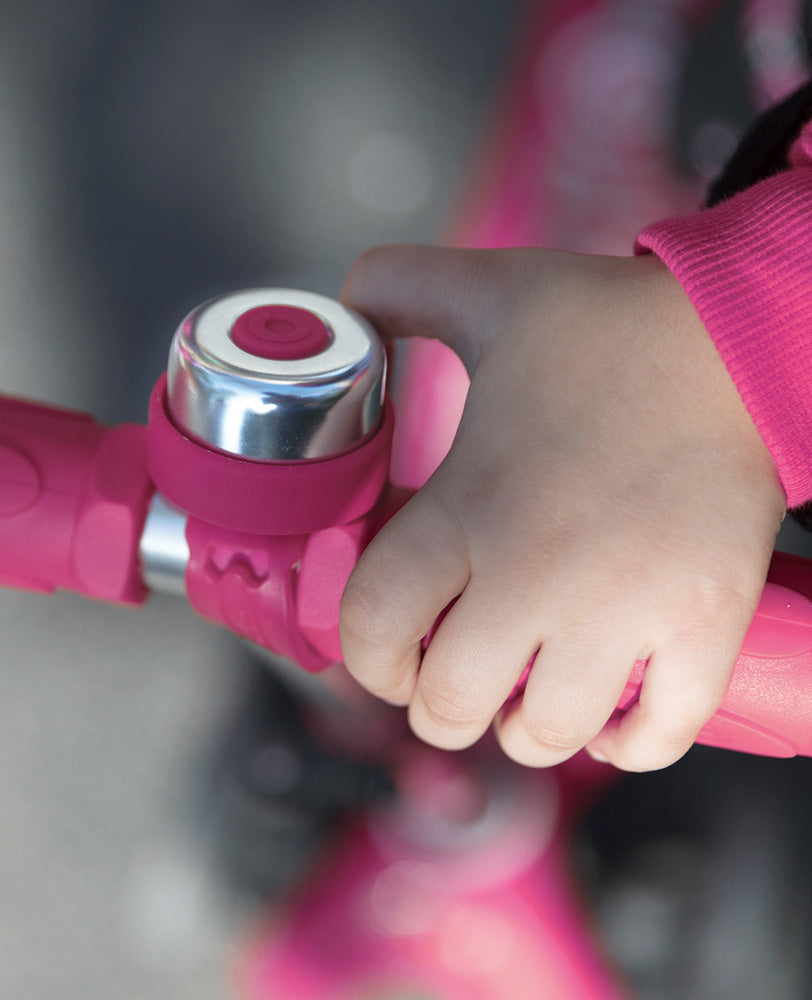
[73, 501]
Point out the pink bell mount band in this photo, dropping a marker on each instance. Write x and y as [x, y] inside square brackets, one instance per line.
[275, 498]
[271, 417]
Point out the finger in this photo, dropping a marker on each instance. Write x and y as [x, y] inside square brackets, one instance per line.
[410, 572]
[456, 296]
[571, 692]
[683, 686]
[470, 667]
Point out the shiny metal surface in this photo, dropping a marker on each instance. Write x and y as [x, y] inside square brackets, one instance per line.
[268, 409]
[163, 551]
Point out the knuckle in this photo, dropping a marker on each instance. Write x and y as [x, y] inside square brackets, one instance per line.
[396, 692]
[364, 268]
[716, 599]
[679, 711]
[478, 281]
[648, 757]
[552, 739]
[656, 745]
[446, 710]
[689, 713]
[368, 613]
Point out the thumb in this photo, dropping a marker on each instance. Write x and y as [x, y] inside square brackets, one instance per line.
[453, 295]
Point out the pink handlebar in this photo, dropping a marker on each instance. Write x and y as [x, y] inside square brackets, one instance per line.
[73, 503]
[73, 500]
[285, 593]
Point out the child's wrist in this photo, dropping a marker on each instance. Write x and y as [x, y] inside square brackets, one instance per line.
[746, 265]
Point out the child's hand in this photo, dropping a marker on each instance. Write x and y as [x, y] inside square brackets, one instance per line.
[607, 499]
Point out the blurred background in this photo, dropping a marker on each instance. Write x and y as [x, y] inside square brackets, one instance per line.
[153, 155]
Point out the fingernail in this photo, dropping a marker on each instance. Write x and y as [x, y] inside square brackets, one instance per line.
[599, 757]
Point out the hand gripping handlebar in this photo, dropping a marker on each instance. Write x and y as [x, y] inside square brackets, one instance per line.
[261, 477]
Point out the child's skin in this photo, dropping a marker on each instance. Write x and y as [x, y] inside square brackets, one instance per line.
[607, 499]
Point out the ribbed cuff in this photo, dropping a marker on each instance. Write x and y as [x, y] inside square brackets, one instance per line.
[746, 265]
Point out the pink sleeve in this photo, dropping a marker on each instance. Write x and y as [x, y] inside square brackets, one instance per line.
[746, 265]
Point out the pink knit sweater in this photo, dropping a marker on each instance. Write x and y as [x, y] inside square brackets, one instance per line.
[746, 266]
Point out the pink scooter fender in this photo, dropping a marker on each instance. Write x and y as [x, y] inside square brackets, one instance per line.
[457, 891]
